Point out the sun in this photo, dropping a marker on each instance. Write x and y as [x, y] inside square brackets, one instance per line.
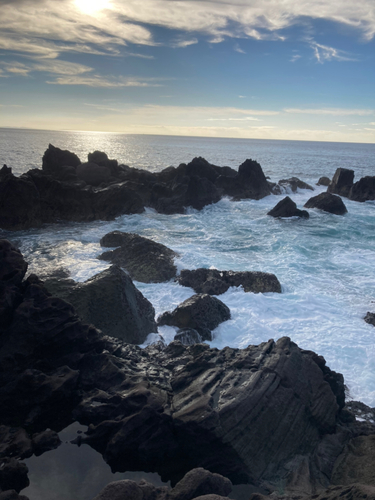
[92, 7]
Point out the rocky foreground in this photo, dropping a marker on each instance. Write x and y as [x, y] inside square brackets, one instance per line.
[68, 189]
[271, 415]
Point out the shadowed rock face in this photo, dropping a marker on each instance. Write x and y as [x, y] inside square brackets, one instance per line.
[363, 190]
[327, 202]
[55, 158]
[342, 182]
[287, 208]
[216, 282]
[201, 312]
[111, 302]
[145, 260]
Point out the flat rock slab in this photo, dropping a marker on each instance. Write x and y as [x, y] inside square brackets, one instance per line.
[216, 282]
[200, 312]
[145, 260]
[328, 202]
[287, 208]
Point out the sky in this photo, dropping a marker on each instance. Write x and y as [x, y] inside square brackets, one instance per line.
[268, 69]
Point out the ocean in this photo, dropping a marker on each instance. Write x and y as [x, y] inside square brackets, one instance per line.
[326, 264]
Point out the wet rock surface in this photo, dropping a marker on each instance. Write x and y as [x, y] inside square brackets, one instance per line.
[287, 208]
[324, 181]
[145, 260]
[342, 182]
[370, 318]
[110, 302]
[216, 282]
[294, 183]
[200, 312]
[327, 202]
[363, 190]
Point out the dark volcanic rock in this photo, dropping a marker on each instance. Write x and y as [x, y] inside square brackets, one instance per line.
[55, 158]
[357, 462]
[324, 181]
[188, 336]
[200, 312]
[200, 482]
[294, 183]
[13, 475]
[131, 490]
[328, 202]
[250, 182]
[287, 208]
[370, 318]
[342, 182]
[93, 174]
[12, 495]
[363, 190]
[145, 260]
[111, 302]
[216, 282]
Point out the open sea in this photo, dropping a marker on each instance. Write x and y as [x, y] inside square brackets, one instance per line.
[326, 264]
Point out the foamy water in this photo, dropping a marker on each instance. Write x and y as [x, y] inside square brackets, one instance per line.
[326, 264]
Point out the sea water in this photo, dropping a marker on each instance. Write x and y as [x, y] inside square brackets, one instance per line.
[326, 264]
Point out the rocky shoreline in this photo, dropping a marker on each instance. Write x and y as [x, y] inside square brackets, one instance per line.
[270, 415]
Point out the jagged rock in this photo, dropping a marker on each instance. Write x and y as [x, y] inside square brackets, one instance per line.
[342, 182]
[201, 312]
[324, 181]
[55, 158]
[294, 183]
[14, 442]
[370, 318]
[328, 202]
[357, 462]
[287, 208]
[13, 475]
[131, 490]
[216, 282]
[145, 260]
[111, 302]
[45, 441]
[250, 182]
[93, 174]
[363, 190]
[188, 336]
[12, 264]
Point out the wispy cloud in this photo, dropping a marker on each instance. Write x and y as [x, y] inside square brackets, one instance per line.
[331, 111]
[295, 58]
[238, 49]
[324, 53]
[181, 43]
[99, 81]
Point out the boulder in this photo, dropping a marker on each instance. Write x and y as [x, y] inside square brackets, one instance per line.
[13, 475]
[363, 190]
[45, 441]
[201, 312]
[342, 182]
[200, 482]
[328, 202]
[55, 158]
[324, 181]
[93, 174]
[294, 183]
[250, 182]
[130, 490]
[145, 260]
[111, 302]
[287, 208]
[216, 282]
[20, 206]
[370, 318]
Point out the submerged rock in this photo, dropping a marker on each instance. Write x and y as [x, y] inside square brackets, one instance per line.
[342, 182]
[111, 302]
[201, 312]
[216, 282]
[145, 260]
[328, 202]
[287, 208]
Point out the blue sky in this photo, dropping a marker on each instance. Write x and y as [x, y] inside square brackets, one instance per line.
[221, 68]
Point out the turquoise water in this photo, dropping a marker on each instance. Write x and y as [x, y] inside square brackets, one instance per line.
[326, 264]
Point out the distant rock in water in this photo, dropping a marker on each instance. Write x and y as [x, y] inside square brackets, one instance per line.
[342, 182]
[145, 260]
[324, 181]
[201, 312]
[370, 318]
[328, 202]
[287, 208]
[216, 282]
[294, 183]
[363, 190]
[250, 182]
[110, 302]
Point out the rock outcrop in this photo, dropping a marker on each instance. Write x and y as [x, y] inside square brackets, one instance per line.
[110, 302]
[145, 260]
[216, 282]
[342, 182]
[324, 181]
[363, 190]
[370, 318]
[200, 312]
[327, 202]
[287, 208]
[293, 184]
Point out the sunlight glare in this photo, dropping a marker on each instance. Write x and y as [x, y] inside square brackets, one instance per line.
[92, 7]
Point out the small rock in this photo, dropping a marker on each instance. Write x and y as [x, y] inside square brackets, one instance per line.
[328, 202]
[200, 482]
[287, 208]
[370, 318]
[324, 181]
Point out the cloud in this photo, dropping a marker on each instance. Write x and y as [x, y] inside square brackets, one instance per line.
[331, 111]
[247, 118]
[182, 43]
[99, 81]
[295, 58]
[52, 67]
[324, 53]
[238, 49]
